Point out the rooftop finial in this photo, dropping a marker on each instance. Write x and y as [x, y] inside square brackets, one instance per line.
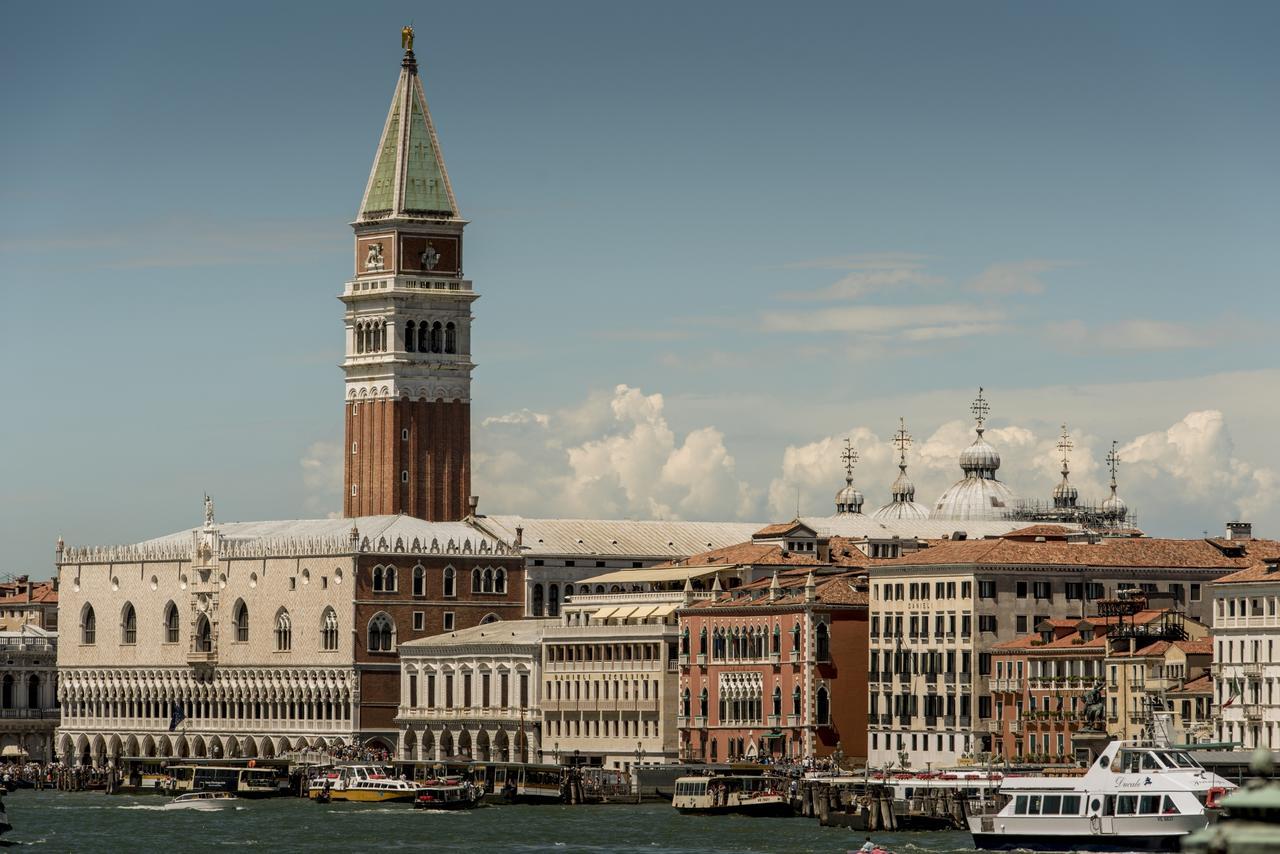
[1064, 447]
[208, 511]
[980, 408]
[850, 458]
[902, 441]
[1113, 463]
[406, 38]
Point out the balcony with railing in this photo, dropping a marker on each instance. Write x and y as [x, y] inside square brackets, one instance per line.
[1253, 712]
[1252, 669]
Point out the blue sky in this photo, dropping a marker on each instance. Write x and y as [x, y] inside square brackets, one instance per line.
[791, 224]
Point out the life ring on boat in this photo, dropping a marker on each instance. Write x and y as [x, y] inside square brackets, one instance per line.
[1215, 794]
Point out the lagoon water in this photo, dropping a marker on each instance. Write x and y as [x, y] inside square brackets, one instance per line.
[97, 823]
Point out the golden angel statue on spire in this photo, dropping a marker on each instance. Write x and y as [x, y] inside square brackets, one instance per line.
[406, 38]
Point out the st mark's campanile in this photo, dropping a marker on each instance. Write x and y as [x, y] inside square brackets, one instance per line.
[408, 322]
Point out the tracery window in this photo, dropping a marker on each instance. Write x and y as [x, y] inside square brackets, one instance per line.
[500, 580]
[450, 582]
[381, 632]
[329, 630]
[284, 631]
[419, 581]
[389, 581]
[240, 616]
[409, 332]
[450, 338]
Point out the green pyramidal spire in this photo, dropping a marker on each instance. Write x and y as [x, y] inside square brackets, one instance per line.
[408, 180]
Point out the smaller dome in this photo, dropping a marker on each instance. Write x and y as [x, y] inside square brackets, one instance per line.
[980, 458]
[849, 500]
[1065, 494]
[901, 511]
[1115, 506]
[903, 489]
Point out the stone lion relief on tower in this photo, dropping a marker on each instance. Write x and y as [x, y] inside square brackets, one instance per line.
[373, 260]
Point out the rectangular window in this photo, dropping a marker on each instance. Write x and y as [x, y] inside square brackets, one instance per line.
[413, 690]
[986, 590]
[984, 664]
[1195, 593]
[419, 621]
[524, 690]
[966, 589]
[484, 690]
[466, 690]
[1021, 589]
[448, 690]
[1075, 590]
[448, 621]
[1020, 623]
[504, 695]
[1043, 590]
[987, 623]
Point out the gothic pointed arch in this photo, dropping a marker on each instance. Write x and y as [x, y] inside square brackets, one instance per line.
[284, 631]
[382, 632]
[128, 624]
[240, 621]
[171, 626]
[88, 625]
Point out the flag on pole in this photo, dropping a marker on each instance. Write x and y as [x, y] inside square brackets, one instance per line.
[1233, 692]
[176, 716]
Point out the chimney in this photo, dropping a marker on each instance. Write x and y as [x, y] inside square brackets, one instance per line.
[810, 588]
[1239, 530]
[519, 535]
[775, 589]
[473, 506]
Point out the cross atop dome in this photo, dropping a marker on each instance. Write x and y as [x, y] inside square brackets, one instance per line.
[850, 458]
[1064, 494]
[902, 441]
[1065, 447]
[1114, 506]
[980, 408]
[1113, 462]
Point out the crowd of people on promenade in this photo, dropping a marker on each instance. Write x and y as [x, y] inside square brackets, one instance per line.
[53, 775]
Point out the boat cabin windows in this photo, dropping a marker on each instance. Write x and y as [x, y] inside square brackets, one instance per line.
[691, 788]
[1138, 761]
[1047, 805]
[1140, 805]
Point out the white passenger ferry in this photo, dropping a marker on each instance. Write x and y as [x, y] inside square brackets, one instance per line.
[362, 783]
[1134, 798]
[751, 795]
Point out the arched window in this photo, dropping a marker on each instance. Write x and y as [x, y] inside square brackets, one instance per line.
[284, 631]
[6, 692]
[424, 334]
[477, 583]
[824, 706]
[489, 618]
[33, 692]
[450, 338]
[128, 624]
[500, 580]
[568, 591]
[777, 701]
[382, 336]
[240, 616]
[537, 600]
[359, 338]
[450, 582]
[436, 330]
[170, 623]
[795, 701]
[702, 703]
[329, 630]
[487, 579]
[204, 635]
[599, 588]
[419, 581]
[553, 600]
[389, 580]
[409, 332]
[702, 641]
[377, 579]
[381, 632]
[823, 643]
[684, 703]
[88, 626]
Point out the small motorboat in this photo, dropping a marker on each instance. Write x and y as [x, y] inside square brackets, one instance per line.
[210, 800]
[448, 794]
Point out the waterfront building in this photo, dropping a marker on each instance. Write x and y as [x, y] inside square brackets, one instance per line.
[25, 603]
[937, 613]
[473, 694]
[29, 712]
[776, 669]
[408, 327]
[263, 637]
[562, 554]
[1139, 657]
[1246, 643]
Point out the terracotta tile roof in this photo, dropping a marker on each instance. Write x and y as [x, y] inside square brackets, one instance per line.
[842, 551]
[778, 529]
[1054, 532]
[1136, 552]
[1260, 571]
[1032, 643]
[1195, 647]
[1157, 648]
[42, 593]
[829, 590]
[1199, 685]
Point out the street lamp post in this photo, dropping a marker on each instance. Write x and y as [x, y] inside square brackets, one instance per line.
[639, 757]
